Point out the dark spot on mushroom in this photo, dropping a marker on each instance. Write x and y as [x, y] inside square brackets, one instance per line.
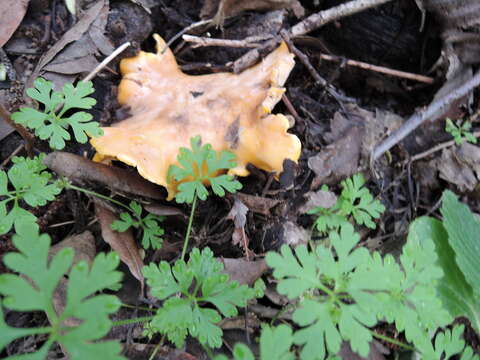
[196, 93]
[232, 135]
[180, 118]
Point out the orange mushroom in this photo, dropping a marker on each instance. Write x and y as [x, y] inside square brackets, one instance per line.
[229, 111]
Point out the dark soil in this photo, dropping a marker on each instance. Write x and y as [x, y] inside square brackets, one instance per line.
[386, 36]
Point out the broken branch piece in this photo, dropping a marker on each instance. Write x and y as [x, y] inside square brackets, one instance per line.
[230, 112]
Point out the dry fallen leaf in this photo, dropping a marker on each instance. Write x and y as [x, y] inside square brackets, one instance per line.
[320, 198]
[461, 166]
[338, 160]
[244, 271]
[222, 9]
[229, 111]
[294, 234]
[122, 242]
[376, 352]
[11, 15]
[258, 204]
[238, 214]
[82, 29]
[81, 170]
[84, 246]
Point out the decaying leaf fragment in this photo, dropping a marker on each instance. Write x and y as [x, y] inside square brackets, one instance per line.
[229, 111]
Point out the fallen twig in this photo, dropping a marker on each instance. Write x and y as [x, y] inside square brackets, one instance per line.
[27, 137]
[310, 23]
[249, 42]
[321, 18]
[318, 78]
[380, 69]
[435, 110]
[183, 31]
[105, 61]
[439, 147]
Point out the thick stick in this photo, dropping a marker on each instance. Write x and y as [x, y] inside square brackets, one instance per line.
[435, 110]
[311, 23]
[321, 18]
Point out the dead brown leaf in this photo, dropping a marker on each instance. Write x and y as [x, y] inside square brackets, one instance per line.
[238, 214]
[249, 322]
[81, 170]
[320, 198]
[84, 246]
[222, 9]
[258, 204]
[122, 242]
[163, 210]
[80, 56]
[74, 34]
[376, 352]
[461, 166]
[294, 234]
[353, 136]
[338, 160]
[244, 271]
[11, 15]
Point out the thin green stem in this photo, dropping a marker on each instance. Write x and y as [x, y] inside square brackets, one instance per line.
[37, 331]
[189, 228]
[138, 307]
[93, 193]
[133, 321]
[392, 341]
[157, 348]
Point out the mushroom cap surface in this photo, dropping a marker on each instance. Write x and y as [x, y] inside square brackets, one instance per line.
[229, 111]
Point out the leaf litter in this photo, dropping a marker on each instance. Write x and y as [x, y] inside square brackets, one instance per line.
[354, 134]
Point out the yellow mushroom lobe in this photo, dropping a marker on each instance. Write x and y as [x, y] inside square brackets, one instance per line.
[229, 111]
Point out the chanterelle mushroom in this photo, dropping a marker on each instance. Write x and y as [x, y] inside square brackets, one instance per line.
[229, 111]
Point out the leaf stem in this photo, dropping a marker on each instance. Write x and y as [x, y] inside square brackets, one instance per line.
[189, 228]
[93, 193]
[392, 341]
[138, 307]
[133, 321]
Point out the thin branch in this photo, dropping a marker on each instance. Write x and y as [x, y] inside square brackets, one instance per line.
[311, 23]
[181, 32]
[439, 147]
[435, 110]
[317, 77]
[105, 61]
[27, 137]
[380, 69]
[249, 42]
[321, 18]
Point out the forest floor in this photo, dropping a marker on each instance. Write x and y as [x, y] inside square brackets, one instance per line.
[357, 79]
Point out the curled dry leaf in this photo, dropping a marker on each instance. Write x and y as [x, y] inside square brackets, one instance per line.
[230, 112]
[244, 271]
[238, 214]
[84, 246]
[73, 34]
[163, 210]
[320, 198]
[122, 242]
[461, 166]
[81, 170]
[294, 234]
[11, 15]
[222, 9]
[353, 139]
[376, 352]
[338, 160]
[258, 204]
